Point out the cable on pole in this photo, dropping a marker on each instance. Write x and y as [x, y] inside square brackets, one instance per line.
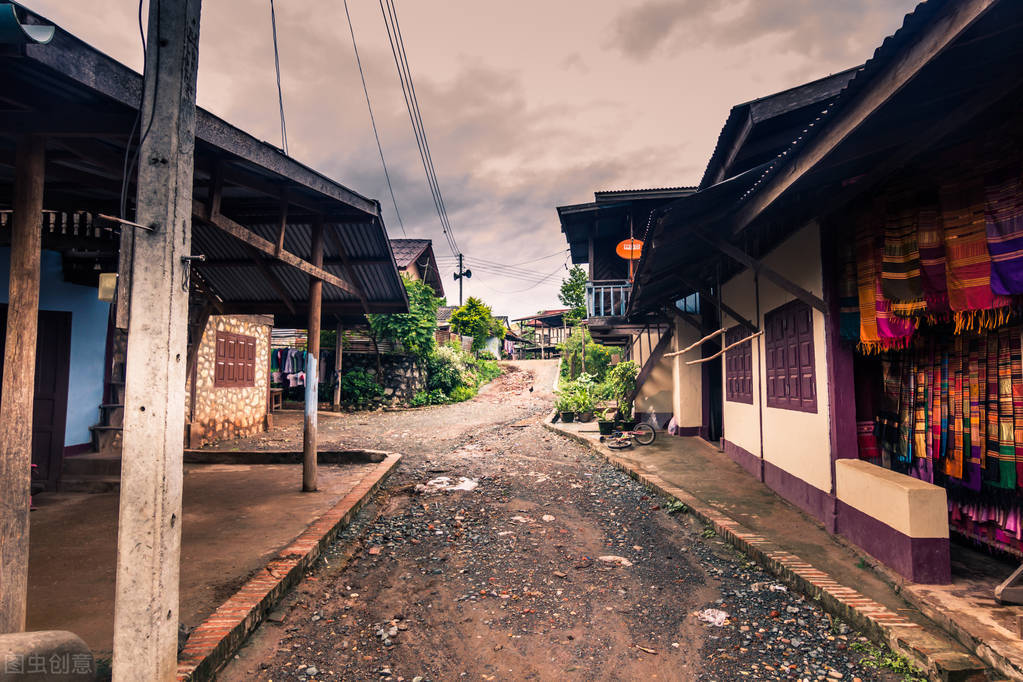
[372, 120]
[277, 66]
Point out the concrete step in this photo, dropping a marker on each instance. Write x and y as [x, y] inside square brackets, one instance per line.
[90, 484]
[92, 464]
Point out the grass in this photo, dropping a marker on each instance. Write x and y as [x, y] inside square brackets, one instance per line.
[878, 658]
[676, 507]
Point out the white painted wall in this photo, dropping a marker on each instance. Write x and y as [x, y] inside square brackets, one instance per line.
[656, 393]
[687, 380]
[797, 442]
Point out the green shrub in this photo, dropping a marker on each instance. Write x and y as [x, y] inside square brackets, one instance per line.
[359, 387]
[461, 393]
[620, 384]
[423, 398]
[598, 357]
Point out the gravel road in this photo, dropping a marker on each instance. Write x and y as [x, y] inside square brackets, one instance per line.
[551, 566]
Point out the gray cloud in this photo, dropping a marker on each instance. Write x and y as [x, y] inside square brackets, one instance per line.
[828, 31]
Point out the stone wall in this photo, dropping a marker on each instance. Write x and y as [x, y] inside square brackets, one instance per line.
[401, 378]
[222, 413]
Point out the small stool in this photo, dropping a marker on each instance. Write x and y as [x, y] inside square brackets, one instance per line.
[276, 399]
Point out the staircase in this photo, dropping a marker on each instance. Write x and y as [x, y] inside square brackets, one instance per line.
[100, 470]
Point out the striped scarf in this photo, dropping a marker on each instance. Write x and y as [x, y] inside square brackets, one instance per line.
[931, 242]
[1006, 419]
[879, 329]
[848, 297]
[900, 257]
[1004, 223]
[968, 270]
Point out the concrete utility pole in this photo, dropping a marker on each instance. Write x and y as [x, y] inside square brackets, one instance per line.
[19, 382]
[312, 400]
[338, 350]
[149, 523]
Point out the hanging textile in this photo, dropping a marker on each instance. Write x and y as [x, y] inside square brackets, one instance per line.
[1003, 217]
[1016, 355]
[931, 243]
[968, 271]
[848, 298]
[1006, 419]
[879, 328]
[900, 257]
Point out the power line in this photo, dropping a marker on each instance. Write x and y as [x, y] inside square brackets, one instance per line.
[519, 291]
[397, 45]
[277, 66]
[372, 120]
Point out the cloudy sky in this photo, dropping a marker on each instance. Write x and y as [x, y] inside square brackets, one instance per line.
[527, 105]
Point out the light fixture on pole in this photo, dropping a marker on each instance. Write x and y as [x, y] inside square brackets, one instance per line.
[458, 275]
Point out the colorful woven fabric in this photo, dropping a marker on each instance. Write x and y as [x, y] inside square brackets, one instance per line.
[968, 269]
[880, 329]
[972, 474]
[1006, 418]
[958, 437]
[1004, 224]
[848, 296]
[1017, 400]
[900, 258]
[992, 473]
[931, 243]
[866, 441]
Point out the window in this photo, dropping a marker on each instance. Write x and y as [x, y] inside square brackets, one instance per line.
[791, 378]
[236, 361]
[738, 367]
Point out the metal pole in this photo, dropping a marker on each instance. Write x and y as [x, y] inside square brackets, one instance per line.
[19, 382]
[309, 435]
[461, 276]
[338, 348]
[149, 522]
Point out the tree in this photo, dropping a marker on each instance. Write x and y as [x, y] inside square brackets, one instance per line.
[475, 319]
[573, 295]
[414, 329]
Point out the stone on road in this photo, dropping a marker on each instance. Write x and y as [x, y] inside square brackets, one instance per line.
[501, 553]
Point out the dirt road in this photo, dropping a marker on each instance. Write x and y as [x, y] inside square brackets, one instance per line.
[550, 566]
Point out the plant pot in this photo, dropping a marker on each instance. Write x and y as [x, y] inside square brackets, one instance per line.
[568, 417]
[626, 425]
[585, 416]
[605, 427]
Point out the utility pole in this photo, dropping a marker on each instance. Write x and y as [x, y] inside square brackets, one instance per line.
[146, 609]
[19, 381]
[462, 273]
[312, 373]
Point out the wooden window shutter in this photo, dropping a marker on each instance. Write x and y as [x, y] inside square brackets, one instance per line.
[791, 371]
[236, 361]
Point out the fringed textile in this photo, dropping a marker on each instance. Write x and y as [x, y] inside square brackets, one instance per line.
[1017, 400]
[1003, 215]
[848, 296]
[931, 243]
[900, 258]
[1006, 418]
[968, 269]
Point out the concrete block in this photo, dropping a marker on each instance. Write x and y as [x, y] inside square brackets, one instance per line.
[45, 656]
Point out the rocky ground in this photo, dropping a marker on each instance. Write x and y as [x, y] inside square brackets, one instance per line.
[500, 551]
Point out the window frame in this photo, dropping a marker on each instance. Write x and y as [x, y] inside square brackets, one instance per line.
[231, 369]
[789, 358]
[739, 367]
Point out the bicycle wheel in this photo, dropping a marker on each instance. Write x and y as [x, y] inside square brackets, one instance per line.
[619, 443]
[644, 434]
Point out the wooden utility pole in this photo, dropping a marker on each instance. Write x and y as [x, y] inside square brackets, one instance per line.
[19, 382]
[338, 349]
[309, 434]
[149, 524]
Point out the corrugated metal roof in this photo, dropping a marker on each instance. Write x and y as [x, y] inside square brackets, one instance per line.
[407, 250]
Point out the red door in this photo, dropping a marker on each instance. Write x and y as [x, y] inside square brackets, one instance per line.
[49, 413]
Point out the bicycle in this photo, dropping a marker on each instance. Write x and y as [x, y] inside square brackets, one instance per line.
[642, 434]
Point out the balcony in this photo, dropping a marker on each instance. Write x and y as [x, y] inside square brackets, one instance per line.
[607, 298]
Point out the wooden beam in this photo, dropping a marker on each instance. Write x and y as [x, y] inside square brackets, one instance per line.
[714, 300]
[272, 279]
[353, 308]
[243, 234]
[935, 38]
[60, 124]
[757, 266]
[247, 262]
[16, 402]
[312, 400]
[335, 239]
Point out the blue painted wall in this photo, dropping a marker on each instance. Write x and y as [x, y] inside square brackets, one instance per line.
[88, 339]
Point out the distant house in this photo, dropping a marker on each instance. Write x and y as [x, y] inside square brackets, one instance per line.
[415, 258]
[547, 329]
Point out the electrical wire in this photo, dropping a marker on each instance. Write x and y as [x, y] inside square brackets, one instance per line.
[415, 117]
[373, 121]
[519, 291]
[280, 93]
[130, 168]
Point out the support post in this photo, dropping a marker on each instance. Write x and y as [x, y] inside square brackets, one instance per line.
[19, 382]
[146, 610]
[311, 371]
[338, 348]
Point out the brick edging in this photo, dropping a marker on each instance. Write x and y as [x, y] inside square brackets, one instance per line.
[214, 641]
[877, 621]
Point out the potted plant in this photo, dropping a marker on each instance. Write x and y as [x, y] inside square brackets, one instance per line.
[564, 406]
[605, 424]
[584, 404]
[621, 385]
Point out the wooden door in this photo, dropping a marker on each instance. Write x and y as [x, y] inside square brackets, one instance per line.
[49, 413]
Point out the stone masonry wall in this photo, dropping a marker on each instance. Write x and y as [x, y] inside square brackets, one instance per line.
[401, 379]
[223, 413]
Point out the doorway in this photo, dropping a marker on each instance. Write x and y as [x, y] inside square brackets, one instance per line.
[49, 409]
